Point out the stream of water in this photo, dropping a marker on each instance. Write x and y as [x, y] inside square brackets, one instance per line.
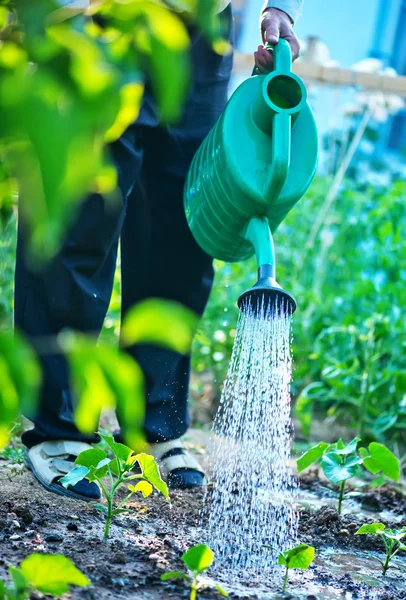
[252, 501]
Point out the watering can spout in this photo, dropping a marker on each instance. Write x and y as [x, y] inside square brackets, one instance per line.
[266, 294]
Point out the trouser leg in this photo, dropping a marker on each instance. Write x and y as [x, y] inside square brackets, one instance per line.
[168, 263]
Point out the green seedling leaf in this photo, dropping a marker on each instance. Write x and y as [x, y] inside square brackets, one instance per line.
[161, 322]
[91, 458]
[311, 456]
[299, 557]
[382, 459]
[142, 486]
[119, 511]
[74, 476]
[120, 451]
[2, 590]
[372, 529]
[151, 473]
[101, 507]
[220, 590]
[19, 581]
[198, 558]
[350, 448]
[52, 573]
[96, 460]
[174, 575]
[337, 472]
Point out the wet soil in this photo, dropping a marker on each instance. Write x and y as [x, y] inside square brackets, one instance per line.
[152, 538]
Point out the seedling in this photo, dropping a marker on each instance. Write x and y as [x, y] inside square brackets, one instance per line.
[392, 539]
[197, 559]
[341, 462]
[94, 465]
[46, 573]
[299, 557]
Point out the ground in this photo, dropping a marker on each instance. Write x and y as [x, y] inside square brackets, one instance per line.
[150, 541]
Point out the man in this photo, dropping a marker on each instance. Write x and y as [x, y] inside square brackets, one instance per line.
[159, 258]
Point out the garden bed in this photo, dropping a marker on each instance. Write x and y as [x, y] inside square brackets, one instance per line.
[150, 541]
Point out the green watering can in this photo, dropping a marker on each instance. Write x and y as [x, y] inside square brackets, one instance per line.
[251, 169]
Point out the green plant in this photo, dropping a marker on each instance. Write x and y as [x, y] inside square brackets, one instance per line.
[94, 465]
[46, 573]
[340, 462]
[299, 557]
[391, 538]
[197, 559]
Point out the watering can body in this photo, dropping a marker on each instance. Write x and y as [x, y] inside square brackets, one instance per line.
[257, 162]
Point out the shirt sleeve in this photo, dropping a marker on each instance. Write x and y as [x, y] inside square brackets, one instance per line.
[292, 8]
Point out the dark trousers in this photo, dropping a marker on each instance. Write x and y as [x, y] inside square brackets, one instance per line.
[159, 258]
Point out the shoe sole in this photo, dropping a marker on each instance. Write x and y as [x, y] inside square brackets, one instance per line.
[53, 487]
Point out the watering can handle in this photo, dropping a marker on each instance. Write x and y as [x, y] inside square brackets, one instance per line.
[282, 56]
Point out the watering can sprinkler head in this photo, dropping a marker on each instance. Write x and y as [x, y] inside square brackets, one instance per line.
[266, 294]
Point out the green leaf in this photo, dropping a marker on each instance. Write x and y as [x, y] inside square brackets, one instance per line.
[161, 322]
[335, 471]
[104, 378]
[91, 458]
[20, 582]
[371, 529]
[74, 476]
[151, 473]
[52, 573]
[96, 460]
[382, 459]
[20, 378]
[220, 590]
[299, 557]
[142, 486]
[198, 558]
[350, 448]
[2, 590]
[174, 575]
[311, 456]
[120, 451]
[101, 507]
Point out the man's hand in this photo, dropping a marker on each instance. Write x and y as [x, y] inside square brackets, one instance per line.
[275, 24]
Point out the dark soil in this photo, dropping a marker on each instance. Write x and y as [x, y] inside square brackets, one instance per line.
[151, 540]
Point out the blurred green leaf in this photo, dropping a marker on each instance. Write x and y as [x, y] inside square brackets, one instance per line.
[52, 573]
[19, 381]
[161, 322]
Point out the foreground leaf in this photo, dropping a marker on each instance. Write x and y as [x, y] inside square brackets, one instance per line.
[161, 322]
[299, 557]
[52, 573]
[198, 558]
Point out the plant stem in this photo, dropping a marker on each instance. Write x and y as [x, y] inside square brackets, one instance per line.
[285, 580]
[109, 517]
[341, 496]
[193, 590]
[107, 527]
[385, 566]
